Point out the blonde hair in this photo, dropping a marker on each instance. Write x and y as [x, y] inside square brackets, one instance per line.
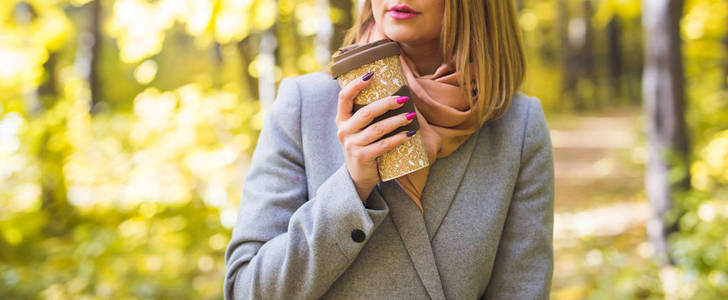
[484, 40]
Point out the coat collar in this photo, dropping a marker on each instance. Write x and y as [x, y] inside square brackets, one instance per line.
[418, 230]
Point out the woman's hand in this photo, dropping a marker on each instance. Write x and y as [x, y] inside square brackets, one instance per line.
[358, 140]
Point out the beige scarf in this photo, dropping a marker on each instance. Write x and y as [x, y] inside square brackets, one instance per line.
[445, 118]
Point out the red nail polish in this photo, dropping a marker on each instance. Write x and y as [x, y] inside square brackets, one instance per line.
[402, 99]
[411, 115]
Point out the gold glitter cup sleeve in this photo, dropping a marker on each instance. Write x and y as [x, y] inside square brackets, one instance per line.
[382, 57]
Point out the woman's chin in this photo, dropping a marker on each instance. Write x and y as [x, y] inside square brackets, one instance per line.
[402, 36]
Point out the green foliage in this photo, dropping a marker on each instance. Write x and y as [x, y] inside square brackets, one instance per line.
[701, 243]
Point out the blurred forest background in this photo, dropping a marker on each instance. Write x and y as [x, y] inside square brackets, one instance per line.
[126, 129]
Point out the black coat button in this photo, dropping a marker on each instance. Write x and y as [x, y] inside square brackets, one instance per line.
[358, 235]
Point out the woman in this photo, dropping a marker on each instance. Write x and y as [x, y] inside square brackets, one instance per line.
[316, 222]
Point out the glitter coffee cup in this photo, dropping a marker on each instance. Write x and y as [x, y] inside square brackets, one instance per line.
[382, 57]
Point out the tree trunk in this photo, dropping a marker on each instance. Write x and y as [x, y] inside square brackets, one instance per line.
[343, 25]
[725, 61]
[48, 91]
[249, 83]
[664, 106]
[578, 54]
[95, 30]
[218, 60]
[87, 55]
[568, 78]
[37, 101]
[48, 87]
[615, 60]
[587, 58]
[24, 15]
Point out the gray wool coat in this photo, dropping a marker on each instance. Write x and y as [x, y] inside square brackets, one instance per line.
[302, 231]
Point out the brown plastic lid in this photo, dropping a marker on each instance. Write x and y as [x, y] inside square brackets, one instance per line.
[352, 57]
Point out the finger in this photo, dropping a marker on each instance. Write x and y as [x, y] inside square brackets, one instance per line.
[348, 93]
[365, 115]
[377, 130]
[376, 149]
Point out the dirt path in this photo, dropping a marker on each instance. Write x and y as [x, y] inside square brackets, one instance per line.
[600, 203]
[597, 159]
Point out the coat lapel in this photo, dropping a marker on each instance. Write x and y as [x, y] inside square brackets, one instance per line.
[411, 227]
[417, 230]
[442, 183]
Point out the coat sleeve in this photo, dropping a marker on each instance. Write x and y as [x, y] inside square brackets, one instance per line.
[284, 245]
[524, 262]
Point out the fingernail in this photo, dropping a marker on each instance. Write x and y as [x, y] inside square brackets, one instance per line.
[367, 76]
[411, 132]
[410, 116]
[402, 99]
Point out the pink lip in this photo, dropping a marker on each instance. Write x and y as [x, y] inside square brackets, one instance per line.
[402, 12]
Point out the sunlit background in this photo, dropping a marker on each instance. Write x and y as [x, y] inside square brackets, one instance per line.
[127, 126]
